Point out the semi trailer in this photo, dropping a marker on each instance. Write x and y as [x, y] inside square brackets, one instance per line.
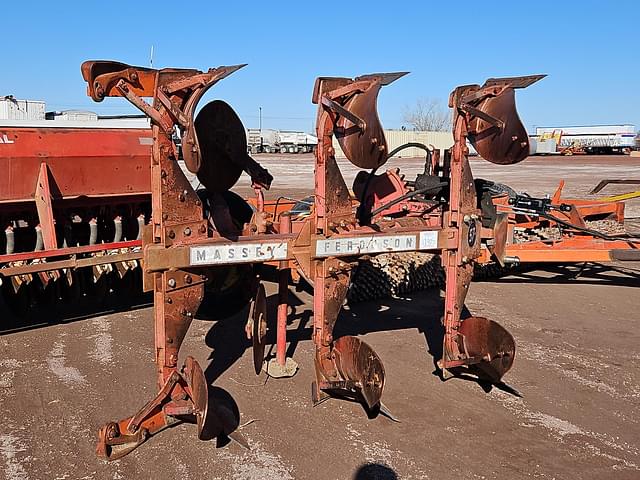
[589, 139]
[279, 141]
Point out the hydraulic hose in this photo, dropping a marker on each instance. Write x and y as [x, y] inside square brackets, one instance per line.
[594, 233]
[408, 195]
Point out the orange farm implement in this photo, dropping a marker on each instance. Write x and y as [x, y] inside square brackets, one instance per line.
[116, 203]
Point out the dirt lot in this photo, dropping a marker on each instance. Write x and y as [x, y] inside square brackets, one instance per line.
[293, 174]
[577, 369]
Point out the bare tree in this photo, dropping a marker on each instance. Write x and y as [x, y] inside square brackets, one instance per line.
[428, 114]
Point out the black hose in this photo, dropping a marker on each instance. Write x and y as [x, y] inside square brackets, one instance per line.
[408, 195]
[594, 233]
[360, 214]
[421, 146]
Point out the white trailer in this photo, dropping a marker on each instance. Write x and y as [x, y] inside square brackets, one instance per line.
[263, 140]
[283, 141]
[297, 142]
[593, 139]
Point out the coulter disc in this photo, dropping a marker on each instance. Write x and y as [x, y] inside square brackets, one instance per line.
[222, 141]
[258, 317]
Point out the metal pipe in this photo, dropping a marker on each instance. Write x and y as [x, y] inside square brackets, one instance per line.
[39, 239]
[10, 239]
[117, 222]
[283, 297]
[140, 226]
[93, 231]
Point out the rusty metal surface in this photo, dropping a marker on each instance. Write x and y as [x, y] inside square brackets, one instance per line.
[506, 143]
[365, 146]
[494, 127]
[199, 391]
[356, 361]
[486, 340]
[257, 327]
[177, 218]
[363, 143]
[448, 221]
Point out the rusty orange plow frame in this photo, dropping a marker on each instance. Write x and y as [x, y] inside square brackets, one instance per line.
[191, 235]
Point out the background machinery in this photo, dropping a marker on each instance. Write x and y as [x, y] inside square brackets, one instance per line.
[74, 197]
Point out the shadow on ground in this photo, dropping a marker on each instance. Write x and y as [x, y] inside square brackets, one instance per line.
[375, 471]
[34, 305]
[578, 274]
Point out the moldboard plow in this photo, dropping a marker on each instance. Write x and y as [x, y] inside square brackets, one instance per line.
[194, 237]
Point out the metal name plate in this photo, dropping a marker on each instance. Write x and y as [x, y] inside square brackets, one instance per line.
[238, 253]
[429, 240]
[370, 244]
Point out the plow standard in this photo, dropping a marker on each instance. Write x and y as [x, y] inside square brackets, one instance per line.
[190, 242]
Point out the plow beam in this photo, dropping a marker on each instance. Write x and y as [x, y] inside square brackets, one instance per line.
[487, 116]
[177, 217]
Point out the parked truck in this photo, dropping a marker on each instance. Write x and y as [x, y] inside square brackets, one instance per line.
[279, 141]
[263, 140]
[297, 142]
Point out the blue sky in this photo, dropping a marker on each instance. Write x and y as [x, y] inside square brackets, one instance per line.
[590, 50]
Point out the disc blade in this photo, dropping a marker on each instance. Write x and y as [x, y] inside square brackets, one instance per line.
[489, 341]
[357, 361]
[222, 140]
[259, 317]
